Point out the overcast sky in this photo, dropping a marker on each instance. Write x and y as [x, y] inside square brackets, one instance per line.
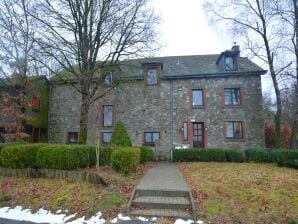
[184, 30]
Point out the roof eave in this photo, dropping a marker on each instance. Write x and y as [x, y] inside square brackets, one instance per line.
[214, 75]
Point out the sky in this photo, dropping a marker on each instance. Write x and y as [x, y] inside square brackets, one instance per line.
[184, 30]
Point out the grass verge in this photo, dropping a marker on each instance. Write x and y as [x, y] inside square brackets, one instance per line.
[70, 196]
[243, 193]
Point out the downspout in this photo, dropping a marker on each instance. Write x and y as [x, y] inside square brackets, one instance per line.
[171, 118]
[49, 114]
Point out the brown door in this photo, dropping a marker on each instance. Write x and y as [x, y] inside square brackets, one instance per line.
[198, 134]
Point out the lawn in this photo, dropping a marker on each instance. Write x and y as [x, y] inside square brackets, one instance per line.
[71, 196]
[243, 192]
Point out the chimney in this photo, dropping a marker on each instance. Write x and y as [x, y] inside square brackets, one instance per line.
[236, 47]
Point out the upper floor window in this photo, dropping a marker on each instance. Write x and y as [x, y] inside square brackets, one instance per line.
[107, 116]
[152, 76]
[108, 79]
[35, 102]
[106, 137]
[234, 129]
[73, 137]
[197, 97]
[229, 63]
[151, 138]
[232, 96]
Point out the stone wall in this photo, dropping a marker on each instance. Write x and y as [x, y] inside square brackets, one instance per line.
[147, 108]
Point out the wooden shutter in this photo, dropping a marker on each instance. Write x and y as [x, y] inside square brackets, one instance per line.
[190, 133]
[222, 97]
[204, 98]
[205, 135]
[241, 96]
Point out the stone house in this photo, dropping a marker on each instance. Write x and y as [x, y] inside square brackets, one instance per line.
[169, 102]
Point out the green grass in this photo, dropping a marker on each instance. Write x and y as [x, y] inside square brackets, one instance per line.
[243, 193]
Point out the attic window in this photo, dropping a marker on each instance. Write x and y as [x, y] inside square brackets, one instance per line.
[229, 63]
[152, 76]
[108, 79]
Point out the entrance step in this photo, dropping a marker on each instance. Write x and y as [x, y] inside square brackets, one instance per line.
[161, 202]
[162, 193]
[162, 213]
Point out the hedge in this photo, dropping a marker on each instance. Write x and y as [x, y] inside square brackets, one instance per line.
[147, 154]
[211, 154]
[258, 155]
[105, 153]
[65, 157]
[19, 156]
[234, 155]
[125, 160]
[287, 158]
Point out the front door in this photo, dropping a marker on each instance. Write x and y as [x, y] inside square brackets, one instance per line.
[198, 134]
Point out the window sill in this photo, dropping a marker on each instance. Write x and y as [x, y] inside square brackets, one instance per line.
[198, 107]
[232, 106]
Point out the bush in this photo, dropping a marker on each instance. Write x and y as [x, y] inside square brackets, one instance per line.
[184, 155]
[212, 154]
[287, 158]
[125, 160]
[258, 155]
[234, 155]
[105, 153]
[147, 154]
[120, 136]
[18, 156]
[65, 157]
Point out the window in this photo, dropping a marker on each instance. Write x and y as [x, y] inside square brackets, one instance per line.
[185, 131]
[2, 132]
[108, 79]
[229, 63]
[107, 116]
[197, 97]
[73, 137]
[234, 129]
[232, 96]
[35, 103]
[106, 137]
[152, 76]
[151, 138]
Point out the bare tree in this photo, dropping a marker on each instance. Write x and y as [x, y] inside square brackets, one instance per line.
[16, 45]
[87, 38]
[261, 30]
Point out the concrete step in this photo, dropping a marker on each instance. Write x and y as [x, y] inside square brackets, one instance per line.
[176, 213]
[163, 193]
[161, 202]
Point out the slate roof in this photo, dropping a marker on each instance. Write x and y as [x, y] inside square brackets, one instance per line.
[181, 67]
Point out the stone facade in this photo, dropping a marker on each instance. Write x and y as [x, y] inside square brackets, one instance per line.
[164, 108]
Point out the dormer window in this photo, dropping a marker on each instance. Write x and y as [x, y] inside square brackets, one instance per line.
[152, 76]
[229, 63]
[108, 79]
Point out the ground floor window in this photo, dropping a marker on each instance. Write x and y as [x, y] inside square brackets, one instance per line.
[2, 132]
[73, 137]
[151, 138]
[234, 129]
[106, 137]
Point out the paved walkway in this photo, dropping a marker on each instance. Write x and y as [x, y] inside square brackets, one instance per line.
[164, 176]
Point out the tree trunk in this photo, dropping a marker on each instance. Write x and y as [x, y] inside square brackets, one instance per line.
[84, 119]
[294, 143]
